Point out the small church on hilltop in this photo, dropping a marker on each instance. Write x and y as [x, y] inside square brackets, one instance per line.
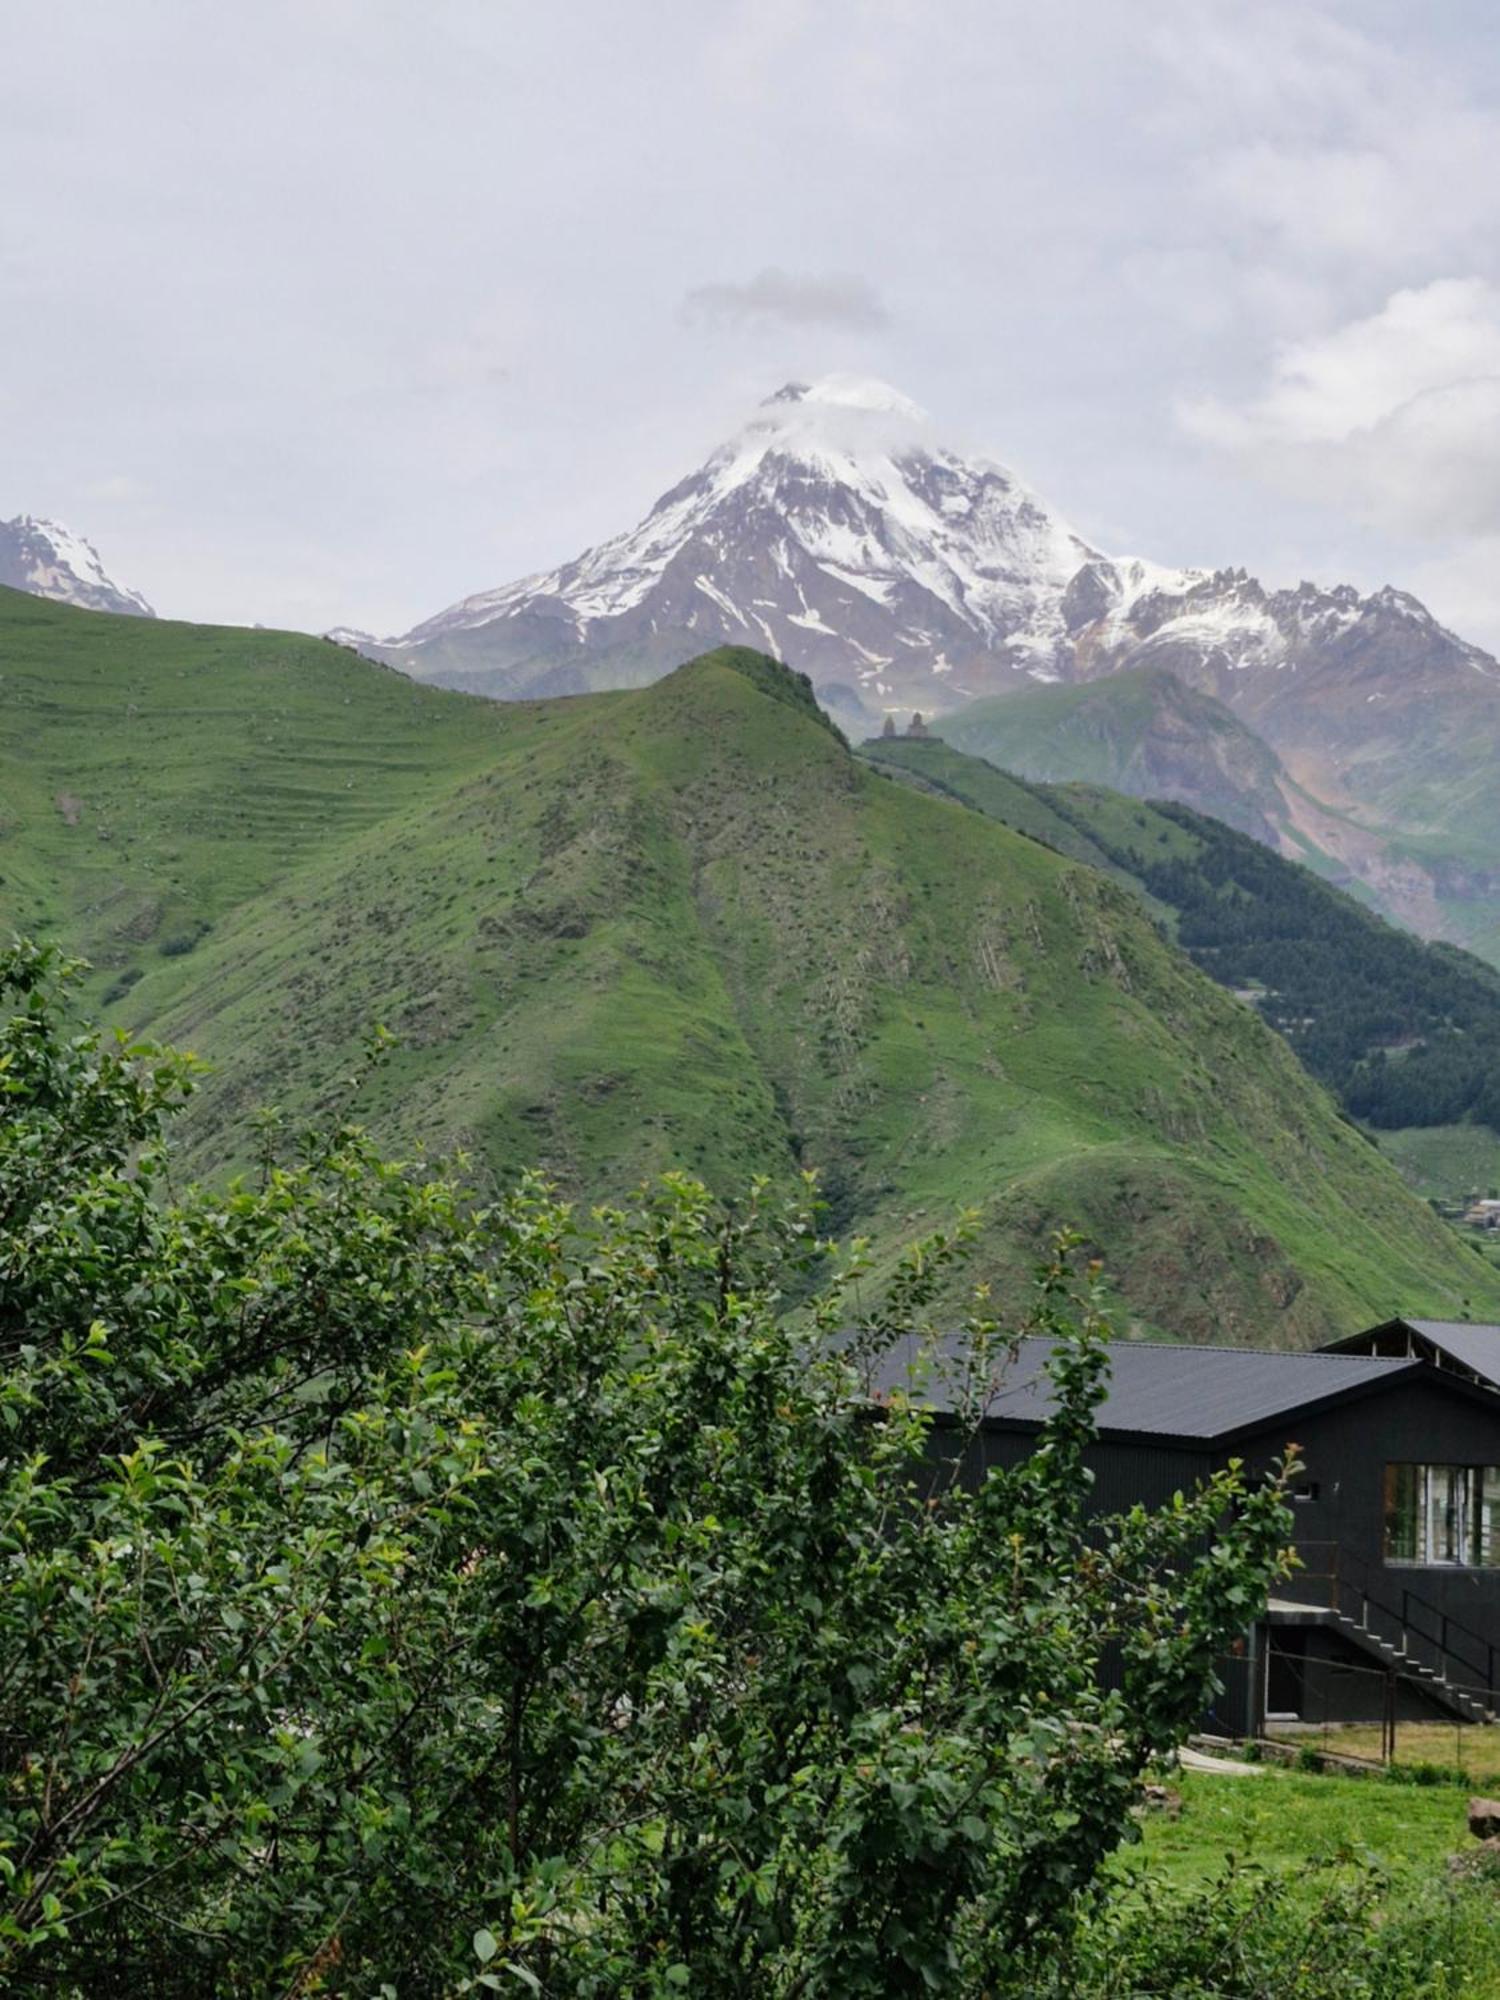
[916, 727]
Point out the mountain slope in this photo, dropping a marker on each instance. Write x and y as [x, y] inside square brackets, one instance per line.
[1426, 860]
[155, 775]
[1141, 731]
[1387, 724]
[1406, 1034]
[49, 560]
[838, 532]
[685, 927]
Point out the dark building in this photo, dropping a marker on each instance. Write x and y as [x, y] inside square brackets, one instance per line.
[1395, 1610]
[1464, 1346]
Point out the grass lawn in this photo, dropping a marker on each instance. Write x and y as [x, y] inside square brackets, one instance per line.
[1284, 1820]
[1447, 1162]
[1300, 1846]
[1452, 1746]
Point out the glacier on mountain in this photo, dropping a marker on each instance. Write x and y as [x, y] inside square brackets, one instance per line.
[835, 530]
[47, 559]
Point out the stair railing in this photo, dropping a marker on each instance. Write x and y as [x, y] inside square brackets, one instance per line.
[1341, 1580]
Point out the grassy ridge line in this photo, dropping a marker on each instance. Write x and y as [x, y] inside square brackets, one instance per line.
[678, 926]
[1404, 1033]
[682, 926]
[155, 776]
[1039, 811]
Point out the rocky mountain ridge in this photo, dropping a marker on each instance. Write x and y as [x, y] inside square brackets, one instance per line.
[836, 531]
[46, 559]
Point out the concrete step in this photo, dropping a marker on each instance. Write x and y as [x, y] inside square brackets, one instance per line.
[1415, 1668]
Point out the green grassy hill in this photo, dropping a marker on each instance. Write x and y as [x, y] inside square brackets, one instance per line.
[681, 926]
[1406, 1034]
[1389, 793]
[154, 776]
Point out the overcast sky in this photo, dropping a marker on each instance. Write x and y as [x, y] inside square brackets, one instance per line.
[318, 311]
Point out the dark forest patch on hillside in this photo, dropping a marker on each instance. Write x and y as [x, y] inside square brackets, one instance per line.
[1404, 1032]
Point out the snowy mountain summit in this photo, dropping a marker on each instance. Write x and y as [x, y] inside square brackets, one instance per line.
[48, 560]
[837, 532]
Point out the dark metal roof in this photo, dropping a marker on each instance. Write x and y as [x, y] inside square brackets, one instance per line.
[1469, 1344]
[1190, 1394]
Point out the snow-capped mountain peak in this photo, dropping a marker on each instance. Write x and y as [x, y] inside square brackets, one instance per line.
[833, 529]
[866, 393]
[837, 530]
[47, 559]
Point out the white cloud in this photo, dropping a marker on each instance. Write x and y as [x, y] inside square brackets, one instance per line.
[1395, 415]
[114, 488]
[832, 298]
[1330, 146]
[1460, 587]
[416, 367]
[1413, 179]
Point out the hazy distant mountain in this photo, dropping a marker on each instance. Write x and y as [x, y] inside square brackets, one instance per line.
[48, 560]
[1141, 731]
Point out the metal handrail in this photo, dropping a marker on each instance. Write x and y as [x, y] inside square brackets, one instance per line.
[1453, 1640]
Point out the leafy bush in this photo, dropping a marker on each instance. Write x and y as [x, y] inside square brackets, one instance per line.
[401, 1595]
[178, 943]
[1427, 1774]
[129, 978]
[1345, 1933]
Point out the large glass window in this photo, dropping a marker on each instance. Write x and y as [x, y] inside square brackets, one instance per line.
[1443, 1514]
[1403, 1513]
[1488, 1556]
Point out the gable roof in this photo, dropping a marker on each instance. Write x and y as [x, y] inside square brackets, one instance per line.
[1465, 1344]
[1188, 1395]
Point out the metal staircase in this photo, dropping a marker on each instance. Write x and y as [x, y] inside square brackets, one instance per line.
[1409, 1636]
[1458, 1696]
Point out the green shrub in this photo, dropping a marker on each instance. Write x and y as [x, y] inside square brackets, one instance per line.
[1426, 1774]
[1343, 1933]
[178, 943]
[396, 1593]
[120, 987]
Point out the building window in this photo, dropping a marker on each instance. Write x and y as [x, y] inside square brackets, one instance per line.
[1443, 1514]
